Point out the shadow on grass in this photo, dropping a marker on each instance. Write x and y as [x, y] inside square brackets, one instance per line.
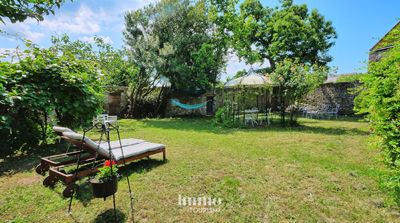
[108, 216]
[84, 193]
[141, 166]
[27, 160]
[320, 130]
[340, 118]
[207, 125]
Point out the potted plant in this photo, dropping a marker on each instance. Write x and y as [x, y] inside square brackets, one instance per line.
[105, 183]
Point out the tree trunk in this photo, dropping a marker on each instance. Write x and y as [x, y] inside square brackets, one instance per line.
[133, 101]
[282, 109]
[43, 126]
[160, 98]
[282, 105]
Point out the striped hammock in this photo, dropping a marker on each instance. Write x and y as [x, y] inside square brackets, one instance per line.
[176, 102]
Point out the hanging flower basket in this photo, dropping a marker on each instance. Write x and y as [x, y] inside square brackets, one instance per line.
[104, 189]
[106, 181]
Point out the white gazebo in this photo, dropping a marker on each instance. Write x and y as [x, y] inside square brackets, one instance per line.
[250, 82]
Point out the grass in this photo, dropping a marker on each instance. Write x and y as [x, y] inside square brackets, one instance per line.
[350, 77]
[322, 171]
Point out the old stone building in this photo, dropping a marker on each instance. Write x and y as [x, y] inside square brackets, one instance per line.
[384, 44]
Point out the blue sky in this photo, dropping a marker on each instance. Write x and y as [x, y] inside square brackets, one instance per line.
[359, 24]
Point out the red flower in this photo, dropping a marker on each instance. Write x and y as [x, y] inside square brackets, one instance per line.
[108, 163]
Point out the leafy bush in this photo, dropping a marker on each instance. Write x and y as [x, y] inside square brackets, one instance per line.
[46, 86]
[223, 117]
[108, 171]
[294, 80]
[349, 78]
[379, 98]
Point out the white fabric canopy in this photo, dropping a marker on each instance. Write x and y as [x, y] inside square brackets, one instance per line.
[251, 79]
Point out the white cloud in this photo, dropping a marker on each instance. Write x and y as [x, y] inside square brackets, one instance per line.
[7, 51]
[90, 39]
[22, 30]
[88, 20]
[84, 21]
[235, 64]
[12, 54]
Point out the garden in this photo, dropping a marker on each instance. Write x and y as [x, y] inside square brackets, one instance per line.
[320, 171]
[261, 156]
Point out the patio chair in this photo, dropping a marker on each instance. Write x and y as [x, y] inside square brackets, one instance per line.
[267, 119]
[132, 149]
[332, 111]
[251, 116]
[310, 112]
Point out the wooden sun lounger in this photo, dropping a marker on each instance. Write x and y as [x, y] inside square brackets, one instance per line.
[87, 156]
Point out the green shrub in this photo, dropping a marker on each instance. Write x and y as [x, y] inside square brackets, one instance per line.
[379, 98]
[349, 78]
[294, 80]
[223, 117]
[43, 88]
[20, 135]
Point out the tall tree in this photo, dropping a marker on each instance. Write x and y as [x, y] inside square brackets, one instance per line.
[19, 11]
[145, 51]
[180, 37]
[261, 33]
[294, 80]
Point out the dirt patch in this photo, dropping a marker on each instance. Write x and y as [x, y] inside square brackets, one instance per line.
[29, 180]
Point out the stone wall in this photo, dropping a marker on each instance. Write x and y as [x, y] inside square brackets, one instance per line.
[327, 95]
[376, 55]
[115, 101]
[330, 94]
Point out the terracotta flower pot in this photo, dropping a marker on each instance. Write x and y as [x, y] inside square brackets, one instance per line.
[104, 189]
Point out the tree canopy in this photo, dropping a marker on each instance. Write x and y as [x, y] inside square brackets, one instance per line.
[294, 80]
[259, 33]
[177, 39]
[19, 11]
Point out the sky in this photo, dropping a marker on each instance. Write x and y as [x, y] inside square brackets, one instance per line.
[358, 23]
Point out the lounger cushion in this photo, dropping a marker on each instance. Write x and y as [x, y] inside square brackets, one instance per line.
[89, 142]
[60, 129]
[103, 148]
[124, 142]
[133, 150]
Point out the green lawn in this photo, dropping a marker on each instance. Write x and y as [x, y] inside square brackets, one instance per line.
[323, 171]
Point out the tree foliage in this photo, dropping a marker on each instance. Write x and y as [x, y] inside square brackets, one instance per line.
[379, 98]
[146, 53]
[175, 39]
[46, 86]
[261, 33]
[240, 73]
[19, 11]
[294, 80]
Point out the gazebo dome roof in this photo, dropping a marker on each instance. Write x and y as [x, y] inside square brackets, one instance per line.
[250, 79]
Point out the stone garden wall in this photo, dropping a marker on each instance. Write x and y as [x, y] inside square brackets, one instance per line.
[327, 95]
[330, 94]
[115, 101]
